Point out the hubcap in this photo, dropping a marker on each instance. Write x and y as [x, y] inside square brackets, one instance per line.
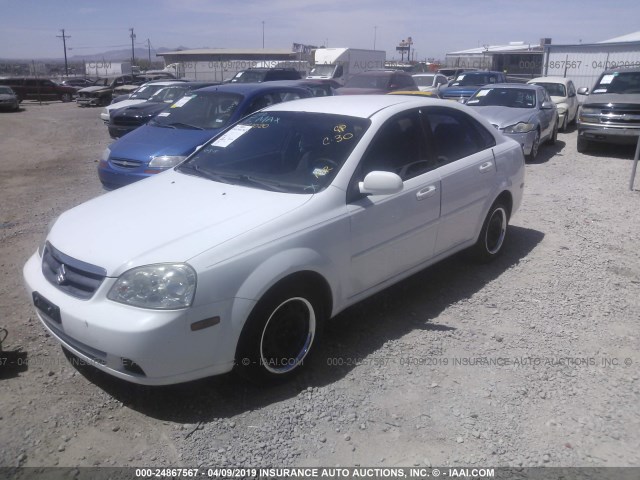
[287, 335]
[496, 231]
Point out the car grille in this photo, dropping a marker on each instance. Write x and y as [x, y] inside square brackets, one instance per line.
[125, 163]
[617, 115]
[128, 121]
[74, 277]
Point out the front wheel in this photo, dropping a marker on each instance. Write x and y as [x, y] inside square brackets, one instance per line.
[65, 97]
[279, 334]
[493, 233]
[534, 147]
[583, 145]
[554, 135]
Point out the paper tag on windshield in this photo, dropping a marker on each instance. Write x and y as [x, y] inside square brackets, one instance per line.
[482, 93]
[607, 79]
[231, 136]
[181, 102]
[164, 114]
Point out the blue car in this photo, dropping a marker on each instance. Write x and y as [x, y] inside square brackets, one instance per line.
[467, 83]
[175, 133]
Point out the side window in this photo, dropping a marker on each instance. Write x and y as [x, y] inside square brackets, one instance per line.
[261, 102]
[456, 135]
[287, 96]
[30, 82]
[571, 89]
[46, 83]
[398, 147]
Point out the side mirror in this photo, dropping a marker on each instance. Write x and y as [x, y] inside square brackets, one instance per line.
[547, 105]
[583, 91]
[380, 183]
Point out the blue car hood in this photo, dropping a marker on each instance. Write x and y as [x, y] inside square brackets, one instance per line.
[149, 141]
[462, 91]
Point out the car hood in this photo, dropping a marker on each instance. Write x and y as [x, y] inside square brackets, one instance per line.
[149, 141]
[7, 96]
[505, 116]
[171, 217]
[615, 98]
[97, 88]
[124, 103]
[463, 91]
[142, 109]
[557, 100]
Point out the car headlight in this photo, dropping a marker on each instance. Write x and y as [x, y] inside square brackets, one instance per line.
[43, 243]
[105, 155]
[105, 112]
[562, 108]
[162, 286]
[520, 127]
[166, 161]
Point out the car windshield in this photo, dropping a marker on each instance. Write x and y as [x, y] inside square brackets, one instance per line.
[169, 94]
[145, 92]
[292, 152]
[471, 79]
[618, 82]
[424, 80]
[504, 97]
[368, 81]
[6, 91]
[553, 89]
[201, 111]
[323, 70]
[249, 76]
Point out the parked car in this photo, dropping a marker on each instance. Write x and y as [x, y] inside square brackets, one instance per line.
[273, 226]
[143, 93]
[522, 112]
[8, 99]
[104, 89]
[430, 82]
[611, 112]
[563, 93]
[258, 75]
[466, 84]
[38, 89]
[376, 82]
[124, 120]
[175, 133]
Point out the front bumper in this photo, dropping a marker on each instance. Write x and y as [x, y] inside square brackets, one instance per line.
[160, 343]
[524, 139]
[89, 101]
[608, 134]
[113, 177]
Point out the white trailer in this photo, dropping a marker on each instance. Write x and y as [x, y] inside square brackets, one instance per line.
[585, 62]
[340, 63]
[105, 68]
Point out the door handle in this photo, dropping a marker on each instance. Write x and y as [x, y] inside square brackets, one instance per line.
[485, 166]
[426, 192]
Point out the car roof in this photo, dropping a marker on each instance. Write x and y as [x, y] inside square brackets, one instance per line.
[249, 88]
[363, 106]
[562, 80]
[521, 86]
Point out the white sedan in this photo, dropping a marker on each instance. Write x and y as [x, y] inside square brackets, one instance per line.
[140, 95]
[234, 258]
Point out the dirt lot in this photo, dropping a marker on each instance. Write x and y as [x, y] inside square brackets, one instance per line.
[532, 360]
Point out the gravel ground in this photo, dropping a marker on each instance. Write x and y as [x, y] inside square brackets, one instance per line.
[532, 360]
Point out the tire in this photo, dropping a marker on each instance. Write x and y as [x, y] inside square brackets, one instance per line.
[279, 334]
[493, 234]
[583, 145]
[65, 97]
[534, 148]
[565, 123]
[554, 135]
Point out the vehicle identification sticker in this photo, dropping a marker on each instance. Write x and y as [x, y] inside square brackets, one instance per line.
[607, 79]
[164, 114]
[181, 102]
[231, 136]
[141, 89]
[482, 93]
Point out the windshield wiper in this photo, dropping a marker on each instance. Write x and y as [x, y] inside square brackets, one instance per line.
[183, 125]
[162, 125]
[248, 180]
[194, 168]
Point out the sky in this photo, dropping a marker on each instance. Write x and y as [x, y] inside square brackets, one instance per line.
[29, 28]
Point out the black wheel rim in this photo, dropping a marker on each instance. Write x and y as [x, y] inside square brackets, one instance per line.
[287, 336]
[496, 231]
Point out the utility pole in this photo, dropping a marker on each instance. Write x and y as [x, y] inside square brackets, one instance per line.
[263, 34]
[64, 45]
[375, 30]
[133, 55]
[149, 46]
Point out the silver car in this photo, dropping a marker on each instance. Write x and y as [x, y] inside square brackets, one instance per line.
[522, 112]
[8, 99]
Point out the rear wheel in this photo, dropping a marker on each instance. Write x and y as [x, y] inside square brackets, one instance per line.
[493, 233]
[279, 334]
[65, 97]
[565, 122]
